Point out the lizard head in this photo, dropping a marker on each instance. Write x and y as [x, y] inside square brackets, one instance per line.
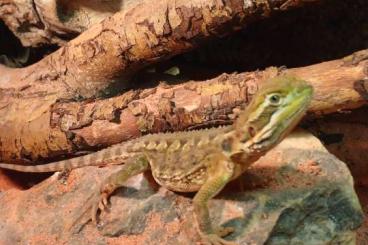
[273, 112]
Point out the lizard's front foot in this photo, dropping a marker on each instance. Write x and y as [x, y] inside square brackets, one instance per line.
[215, 239]
[100, 203]
[96, 202]
[224, 231]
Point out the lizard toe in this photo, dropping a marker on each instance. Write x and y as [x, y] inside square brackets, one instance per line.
[104, 199]
[224, 231]
[213, 239]
[94, 212]
[99, 205]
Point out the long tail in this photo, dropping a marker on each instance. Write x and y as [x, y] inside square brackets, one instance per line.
[112, 155]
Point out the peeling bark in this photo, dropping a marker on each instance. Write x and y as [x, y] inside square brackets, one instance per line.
[22, 19]
[73, 17]
[41, 22]
[132, 39]
[73, 126]
[110, 50]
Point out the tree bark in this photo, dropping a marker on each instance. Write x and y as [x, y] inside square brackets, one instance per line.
[41, 22]
[109, 51]
[130, 40]
[69, 127]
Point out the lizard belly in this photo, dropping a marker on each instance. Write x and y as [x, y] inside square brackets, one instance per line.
[179, 171]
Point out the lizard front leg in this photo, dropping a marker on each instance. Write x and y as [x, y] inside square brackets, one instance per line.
[131, 168]
[219, 172]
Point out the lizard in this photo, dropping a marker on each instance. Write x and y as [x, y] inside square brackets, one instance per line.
[201, 161]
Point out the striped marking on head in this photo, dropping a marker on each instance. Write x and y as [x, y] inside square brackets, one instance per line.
[274, 111]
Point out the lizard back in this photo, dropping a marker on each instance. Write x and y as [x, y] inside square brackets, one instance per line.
[119, 153]
[177, 159]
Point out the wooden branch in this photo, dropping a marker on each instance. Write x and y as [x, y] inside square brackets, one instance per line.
[56, 21]
[20, 14]
[39, 22]
[109, 51]
[130, 40]
[69, 127]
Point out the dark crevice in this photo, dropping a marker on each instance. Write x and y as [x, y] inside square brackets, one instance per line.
[304, 36]
[14, 54]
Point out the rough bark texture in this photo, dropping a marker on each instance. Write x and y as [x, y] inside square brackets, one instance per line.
[21, 17]
[66, 128]
[127, 41]
[41, 22]
[297, 194]
[131, 39]
[73, 17]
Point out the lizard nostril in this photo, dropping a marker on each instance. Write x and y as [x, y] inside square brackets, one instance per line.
[252, 131]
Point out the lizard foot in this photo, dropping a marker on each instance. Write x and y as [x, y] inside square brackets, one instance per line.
[224, 231]
[90, 205]
[213, 239]
[99, 205]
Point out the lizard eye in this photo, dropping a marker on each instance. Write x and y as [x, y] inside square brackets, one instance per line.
[275, 99]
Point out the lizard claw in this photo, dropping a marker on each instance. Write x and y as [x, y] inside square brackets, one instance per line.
[224, 231]
[99, 205]
[215, 239]
[104, 199]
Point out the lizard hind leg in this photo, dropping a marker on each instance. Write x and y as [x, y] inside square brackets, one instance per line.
[131, 168]
[220, 171]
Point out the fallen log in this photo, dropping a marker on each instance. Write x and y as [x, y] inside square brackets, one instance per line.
[69, 127]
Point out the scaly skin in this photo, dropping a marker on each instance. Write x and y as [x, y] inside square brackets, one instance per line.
[202, 161]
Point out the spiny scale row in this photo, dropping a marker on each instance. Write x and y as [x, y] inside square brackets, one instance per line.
[172, 144]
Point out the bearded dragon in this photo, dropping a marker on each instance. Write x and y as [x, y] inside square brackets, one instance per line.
[201, 161]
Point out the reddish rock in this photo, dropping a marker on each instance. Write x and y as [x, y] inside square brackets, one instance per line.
[296, 194]
[7, 183]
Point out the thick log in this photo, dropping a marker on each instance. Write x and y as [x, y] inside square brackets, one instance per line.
[132, 39]
[70, 127]
[107, 52]
[40, 22]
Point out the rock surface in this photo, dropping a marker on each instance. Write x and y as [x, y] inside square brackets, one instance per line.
[345, 135]
[297, 194]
